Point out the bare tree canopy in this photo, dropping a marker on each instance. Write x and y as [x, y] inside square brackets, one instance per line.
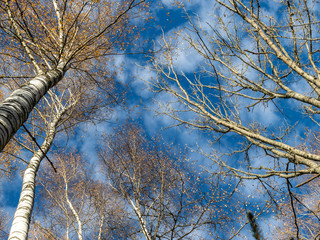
[255, 96]
[252, 59]
[45, 39]
[166, 197]
[248, 85]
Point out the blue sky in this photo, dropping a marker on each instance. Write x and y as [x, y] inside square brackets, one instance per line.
[143, 104]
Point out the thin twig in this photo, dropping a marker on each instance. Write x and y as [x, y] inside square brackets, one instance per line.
[309, 180]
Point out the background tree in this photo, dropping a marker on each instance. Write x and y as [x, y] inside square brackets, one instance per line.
[299, 209]
[299, 214]
[168, 199]
[240, 77]
[3, 223]
[74, 206]
[253, 56]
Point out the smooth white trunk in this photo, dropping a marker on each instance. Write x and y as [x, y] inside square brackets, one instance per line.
[20, 225]
[75, 213]
[15, 109]
[142, 222]
[100, 227]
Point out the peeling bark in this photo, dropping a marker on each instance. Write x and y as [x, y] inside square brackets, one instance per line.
[15, 109]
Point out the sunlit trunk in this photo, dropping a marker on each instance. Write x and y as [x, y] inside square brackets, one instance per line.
[21, 220]
[75, 213]
[15, 109]
[142, 221]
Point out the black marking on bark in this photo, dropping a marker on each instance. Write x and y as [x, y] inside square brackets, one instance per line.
[35, 141]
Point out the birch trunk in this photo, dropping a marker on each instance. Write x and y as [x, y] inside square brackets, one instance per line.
[21, 220]
[75, 213]
[143, 224]
[15, 109]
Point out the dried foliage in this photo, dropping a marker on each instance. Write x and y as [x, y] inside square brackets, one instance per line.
[168, 199]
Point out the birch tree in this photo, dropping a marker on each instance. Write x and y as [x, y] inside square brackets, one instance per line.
[167, 202]
[74, 206]
[255, 95]
[8, 158]
[43, 40]
[252, 58]
[65, 106]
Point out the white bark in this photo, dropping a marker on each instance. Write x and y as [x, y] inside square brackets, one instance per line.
[100, 227]
[142, 222]
[75, 213]
[15, 109]
[21, 220]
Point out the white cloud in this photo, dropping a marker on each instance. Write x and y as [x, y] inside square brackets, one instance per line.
[168, 3]
[184, 58]
[269, 226]
[142, 76]
[120, 61]
[186, 3]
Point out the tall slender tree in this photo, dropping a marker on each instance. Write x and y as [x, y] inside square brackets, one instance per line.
[66, 105]
[74, 206]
